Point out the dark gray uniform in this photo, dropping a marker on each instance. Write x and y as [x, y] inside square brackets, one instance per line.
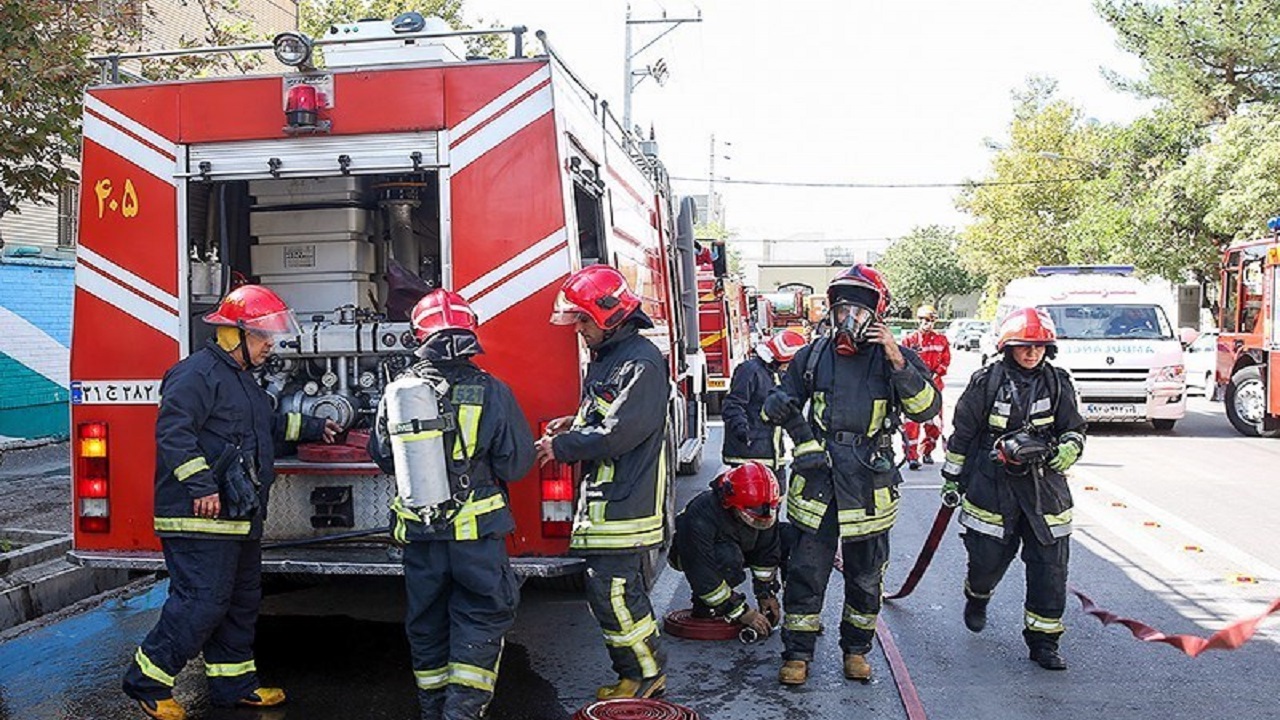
[1003, 508]
[747, 436]
[840, 493]
[462, 592]
[619, 436]
[713, 549]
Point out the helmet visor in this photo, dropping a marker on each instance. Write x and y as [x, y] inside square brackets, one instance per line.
[276, 325]
[761, 517]
[852, 319]
[566, 312]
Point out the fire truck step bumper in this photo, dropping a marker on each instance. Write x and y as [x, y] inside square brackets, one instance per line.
[322, 561]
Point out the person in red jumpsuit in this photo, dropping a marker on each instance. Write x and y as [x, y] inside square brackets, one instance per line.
[933, 349]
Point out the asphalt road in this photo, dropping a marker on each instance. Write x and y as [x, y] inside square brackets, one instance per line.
[1175, 529]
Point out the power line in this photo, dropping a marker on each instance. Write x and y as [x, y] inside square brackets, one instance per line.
[883, 186]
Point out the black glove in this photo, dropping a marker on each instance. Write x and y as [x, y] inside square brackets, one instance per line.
[778, 406]
[810, 461]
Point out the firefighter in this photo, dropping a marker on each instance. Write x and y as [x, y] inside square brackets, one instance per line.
[619, 436]
[747, 436]
[1021, 410]
[216, 436]
[935, 352]
[720, 533]
[462, 592]
[855, 383]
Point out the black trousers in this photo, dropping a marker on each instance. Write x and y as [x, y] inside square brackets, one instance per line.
[215, 589]
[1046, 566]
[809, 570]
[462, 598]
[616, 595]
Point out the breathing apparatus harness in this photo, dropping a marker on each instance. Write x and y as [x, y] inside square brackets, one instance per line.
[881, 440]
[1023, 451]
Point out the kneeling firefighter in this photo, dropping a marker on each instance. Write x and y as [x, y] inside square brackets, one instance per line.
[216, 440]
[1017, 430]
[453, 435]
[747, 436]
[856, 384]
[723, 531]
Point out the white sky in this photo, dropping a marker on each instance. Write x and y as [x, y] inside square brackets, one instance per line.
[834, 91]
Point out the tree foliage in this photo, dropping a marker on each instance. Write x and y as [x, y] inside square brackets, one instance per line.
[925, 267]
[1206, 57]
[316, 16]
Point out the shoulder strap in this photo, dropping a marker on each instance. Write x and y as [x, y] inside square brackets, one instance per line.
[995, 376]
[812, 362]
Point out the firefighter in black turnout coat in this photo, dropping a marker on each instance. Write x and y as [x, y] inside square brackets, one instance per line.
[462, 592]
[1017, 430]
[216, 439]
[747, 436]
[722, 532]
[856, 385]
[619, 436]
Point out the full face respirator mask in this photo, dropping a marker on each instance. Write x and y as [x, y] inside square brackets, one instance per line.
[851, 323]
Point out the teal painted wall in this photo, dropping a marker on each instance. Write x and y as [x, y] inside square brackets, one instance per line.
[35, 336]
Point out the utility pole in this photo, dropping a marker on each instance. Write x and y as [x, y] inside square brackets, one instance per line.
[658, 70]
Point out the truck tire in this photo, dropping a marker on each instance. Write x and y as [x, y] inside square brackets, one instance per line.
[1163, 424]
[1245, 400]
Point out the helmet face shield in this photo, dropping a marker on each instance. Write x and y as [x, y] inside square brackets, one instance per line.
[852, 320]
[277, 325]
[761, 517]
[566, 312]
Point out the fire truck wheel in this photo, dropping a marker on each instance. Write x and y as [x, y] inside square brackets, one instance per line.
[1163, 424]
[1246, 403]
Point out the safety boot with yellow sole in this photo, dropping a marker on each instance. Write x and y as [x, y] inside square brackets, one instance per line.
[632, 688]
[166, 709]
[263, 697]
[856, 667]
[793, 672]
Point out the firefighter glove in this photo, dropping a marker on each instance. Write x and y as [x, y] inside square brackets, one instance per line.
[770, 608]
[952, 494]
[756, 621]
[778, 407]
[1068, 453]
[807, 462]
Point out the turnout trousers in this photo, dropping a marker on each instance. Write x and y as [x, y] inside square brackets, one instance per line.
[462, 597]
[215, 589]
[808, 572]
[616, 595]
[1046, 566]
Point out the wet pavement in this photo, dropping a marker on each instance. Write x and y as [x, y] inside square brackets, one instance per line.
[35, 488]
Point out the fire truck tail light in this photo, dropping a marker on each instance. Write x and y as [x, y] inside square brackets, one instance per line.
[92, 477]
[557, 483]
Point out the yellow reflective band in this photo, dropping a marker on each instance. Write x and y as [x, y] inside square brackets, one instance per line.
[1042, 421]
[229, 669]
[820, 409]
[717, 596]
[150, 669]
[879, 409]
[858, 620]
[763, 573]
[641, 630]
[736, 461]
[806, 447]
[1040, 623]
[472, 677]
[997, 421]
[919, 402]
[807, 513]
[955, 457]
[466, 525]
[984, 515]
[1062, 518]
[618, 601]
[970, 592]
[468, 431]
[415, 437]
[293, 426]
[432, 679]
[190, 467]
[856, 521]
[802, 623]
[202, 525]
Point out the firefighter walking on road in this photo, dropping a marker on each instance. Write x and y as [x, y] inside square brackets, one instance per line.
[1017, 430]
[720, 534]
[747, 436]
[462, 592]
[935, 353]
[216, 436]
[855, 383]
[619, 436]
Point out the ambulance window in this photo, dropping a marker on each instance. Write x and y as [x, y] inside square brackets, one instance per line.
[590, 218]
[1251, 294]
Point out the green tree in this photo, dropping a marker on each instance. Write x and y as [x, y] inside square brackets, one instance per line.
[925, 267]
[316, 16]
[1206, 57]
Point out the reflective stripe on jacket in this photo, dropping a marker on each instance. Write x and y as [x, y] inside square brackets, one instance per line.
[746, 435]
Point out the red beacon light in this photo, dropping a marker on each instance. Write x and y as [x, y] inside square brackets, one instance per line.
[301, 107]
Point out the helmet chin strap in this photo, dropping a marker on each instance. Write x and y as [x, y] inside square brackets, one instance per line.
[244, 347]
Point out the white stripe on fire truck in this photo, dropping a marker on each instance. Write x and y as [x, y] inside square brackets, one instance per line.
[135, 306]
[127, 279]
[520, 116]
[130, 148]
[495, 106]
[131, 126]
[546, 271]
[487, 281]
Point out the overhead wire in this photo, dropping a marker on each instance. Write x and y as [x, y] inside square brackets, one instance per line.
[882, 186]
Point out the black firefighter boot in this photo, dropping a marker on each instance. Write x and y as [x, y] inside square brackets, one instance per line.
[1048, 657]
[975, 613]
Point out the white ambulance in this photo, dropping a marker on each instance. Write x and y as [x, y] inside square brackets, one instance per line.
[1114, 335]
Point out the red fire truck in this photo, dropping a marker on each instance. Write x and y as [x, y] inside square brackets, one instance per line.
[1248, 364]
[789, 309]
[401, 166]
[723, 326]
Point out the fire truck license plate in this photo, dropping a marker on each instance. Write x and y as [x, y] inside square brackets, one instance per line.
[115, 392]
[1111, 410]
[716, 384]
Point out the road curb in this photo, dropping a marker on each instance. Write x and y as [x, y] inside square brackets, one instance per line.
[41, 588]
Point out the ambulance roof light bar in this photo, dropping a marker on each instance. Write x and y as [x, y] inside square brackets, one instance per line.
[1274, 226]
[1120, 270]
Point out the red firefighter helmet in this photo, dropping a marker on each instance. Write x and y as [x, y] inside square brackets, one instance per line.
[862, 285]
[442, 310]
[751, 492]
[781, 347]
[1027, 326]
[598, 291]
[255, 308]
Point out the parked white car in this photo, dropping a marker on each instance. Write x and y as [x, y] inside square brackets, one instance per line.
[964, 333]
[1201, 361]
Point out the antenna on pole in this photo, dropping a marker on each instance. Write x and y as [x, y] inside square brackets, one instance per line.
[658, 70]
